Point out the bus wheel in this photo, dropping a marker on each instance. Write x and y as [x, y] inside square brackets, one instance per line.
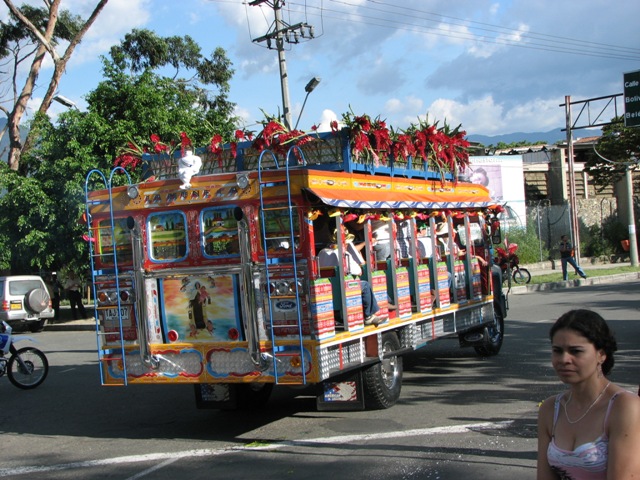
[253, 395]
[383, 381]
[496, 336]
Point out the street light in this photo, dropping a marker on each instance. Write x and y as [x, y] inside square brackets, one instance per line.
[313, 83]
[65, 101]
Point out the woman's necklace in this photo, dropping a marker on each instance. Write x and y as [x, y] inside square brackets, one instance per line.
[588, 409]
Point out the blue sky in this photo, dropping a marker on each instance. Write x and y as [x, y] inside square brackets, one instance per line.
[494, 66]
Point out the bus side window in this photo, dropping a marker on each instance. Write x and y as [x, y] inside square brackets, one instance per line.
[167, 236]
[219, 230]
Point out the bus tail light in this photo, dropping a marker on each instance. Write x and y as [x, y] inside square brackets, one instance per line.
[233, 333]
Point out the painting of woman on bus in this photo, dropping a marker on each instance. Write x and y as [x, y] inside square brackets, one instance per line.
[202, 308]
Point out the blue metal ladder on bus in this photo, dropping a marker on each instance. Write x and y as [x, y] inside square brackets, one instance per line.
[116, 352]
[280, 348]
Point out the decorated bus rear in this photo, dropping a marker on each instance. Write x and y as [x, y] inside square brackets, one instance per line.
[219, 283]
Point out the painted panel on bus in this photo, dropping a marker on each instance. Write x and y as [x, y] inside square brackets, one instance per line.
[202, 308]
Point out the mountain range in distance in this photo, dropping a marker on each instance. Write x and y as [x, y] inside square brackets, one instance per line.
[551, 137]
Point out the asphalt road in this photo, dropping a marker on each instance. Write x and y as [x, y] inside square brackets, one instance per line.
[459, 416]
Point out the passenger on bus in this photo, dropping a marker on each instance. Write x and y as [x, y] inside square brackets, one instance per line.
[330, 257]
[403, 238]
[425, 247]
[381, 233]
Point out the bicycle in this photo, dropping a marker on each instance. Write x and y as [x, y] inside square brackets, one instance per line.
[510, 265]
[26, 367]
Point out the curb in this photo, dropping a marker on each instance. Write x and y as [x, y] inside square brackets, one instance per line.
[88, 324]
[578, 282]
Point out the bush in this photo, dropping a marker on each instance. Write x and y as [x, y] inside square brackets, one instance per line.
[528, 243]
[604, 239]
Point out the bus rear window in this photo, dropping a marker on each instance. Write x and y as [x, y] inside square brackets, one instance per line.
[121, 238]
[277, 229]
[219, 232]
[167, 236]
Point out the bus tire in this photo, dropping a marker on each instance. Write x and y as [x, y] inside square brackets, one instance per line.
[383, 381]
[252, 396]
[495, 338]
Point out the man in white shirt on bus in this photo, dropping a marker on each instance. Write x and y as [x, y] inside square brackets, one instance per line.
[330, 257]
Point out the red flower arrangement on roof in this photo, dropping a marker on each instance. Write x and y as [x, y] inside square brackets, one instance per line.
[218, 142]
[277, 137]
[443, 149]
[369, 139]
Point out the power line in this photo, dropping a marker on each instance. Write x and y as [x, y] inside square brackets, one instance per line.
[570, 46]
[500, 27]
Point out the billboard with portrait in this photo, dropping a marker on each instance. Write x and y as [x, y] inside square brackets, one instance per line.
[504, 177]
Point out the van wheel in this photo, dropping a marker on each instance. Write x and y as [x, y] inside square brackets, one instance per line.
[36, 300]
[38, 326]
[383, 381]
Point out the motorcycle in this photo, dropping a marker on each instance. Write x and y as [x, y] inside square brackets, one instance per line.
[26, 367]
[509, 263]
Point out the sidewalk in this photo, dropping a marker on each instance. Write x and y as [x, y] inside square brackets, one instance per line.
[588, 265]
[67, 324]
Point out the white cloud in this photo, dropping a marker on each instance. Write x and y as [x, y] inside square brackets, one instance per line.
[243, 114]
[328, 116]
[490, 118]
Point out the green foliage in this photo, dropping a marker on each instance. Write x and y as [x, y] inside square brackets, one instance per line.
[605, 239]
[617, 145]
[521, 143]
[39, 227]
[13, 35]
[528, 243]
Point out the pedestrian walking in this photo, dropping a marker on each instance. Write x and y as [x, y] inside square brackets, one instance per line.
[567, 256]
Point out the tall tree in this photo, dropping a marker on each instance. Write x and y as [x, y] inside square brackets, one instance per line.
[41, 28]
[39, 227]
[206, 78]
[620, 147]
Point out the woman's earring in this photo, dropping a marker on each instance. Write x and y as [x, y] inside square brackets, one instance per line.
[600, 374]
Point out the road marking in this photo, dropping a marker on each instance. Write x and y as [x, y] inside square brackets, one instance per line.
[167, 458]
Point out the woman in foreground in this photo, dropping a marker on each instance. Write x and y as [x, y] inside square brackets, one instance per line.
[592, 430]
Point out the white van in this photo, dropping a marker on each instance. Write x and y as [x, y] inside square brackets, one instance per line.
[25, 301]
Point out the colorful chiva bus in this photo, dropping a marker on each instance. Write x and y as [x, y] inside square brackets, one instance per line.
[219, 285]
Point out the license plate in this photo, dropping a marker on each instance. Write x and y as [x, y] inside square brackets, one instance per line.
[110, 316]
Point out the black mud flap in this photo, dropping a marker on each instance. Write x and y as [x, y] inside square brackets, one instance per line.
[344, 393]
[221, 396]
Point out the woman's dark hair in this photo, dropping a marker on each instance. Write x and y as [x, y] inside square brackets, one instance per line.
[592, 327]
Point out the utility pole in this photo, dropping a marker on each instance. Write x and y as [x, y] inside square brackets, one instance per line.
[633, 245]
[281, 32]
[575, 226]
